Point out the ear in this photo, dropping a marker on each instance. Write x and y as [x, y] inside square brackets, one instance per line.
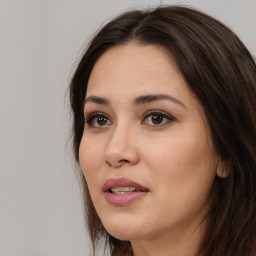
[223, 168]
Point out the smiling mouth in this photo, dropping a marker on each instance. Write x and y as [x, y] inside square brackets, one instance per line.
[122, 185]
[123, 190]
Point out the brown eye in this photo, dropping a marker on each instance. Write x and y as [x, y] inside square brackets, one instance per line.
[101, 121]
[97, 119]
[157, 119]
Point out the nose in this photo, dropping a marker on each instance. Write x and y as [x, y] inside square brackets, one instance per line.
[121, 148]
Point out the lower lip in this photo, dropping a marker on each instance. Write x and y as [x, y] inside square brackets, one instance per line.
[125, 199]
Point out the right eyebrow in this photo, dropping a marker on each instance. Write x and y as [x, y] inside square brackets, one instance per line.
[96, 99]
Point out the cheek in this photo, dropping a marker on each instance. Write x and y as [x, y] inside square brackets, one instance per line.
[90, 160]
[183, 175]
[179, 152]
[182, 165]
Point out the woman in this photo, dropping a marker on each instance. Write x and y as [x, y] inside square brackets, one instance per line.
[164, 105]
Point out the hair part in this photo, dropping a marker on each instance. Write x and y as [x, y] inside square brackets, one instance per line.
[221, 73]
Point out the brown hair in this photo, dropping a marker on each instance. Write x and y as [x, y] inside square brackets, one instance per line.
[222, 74]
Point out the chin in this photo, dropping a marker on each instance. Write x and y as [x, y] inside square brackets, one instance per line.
[125, 235]
[123, 230]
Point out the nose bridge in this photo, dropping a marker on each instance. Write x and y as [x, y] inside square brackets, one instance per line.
[119, 138]
[121, 147]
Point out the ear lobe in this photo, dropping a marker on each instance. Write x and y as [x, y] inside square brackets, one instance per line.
[223, 168]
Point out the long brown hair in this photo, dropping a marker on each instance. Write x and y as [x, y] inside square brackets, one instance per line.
[222, 74]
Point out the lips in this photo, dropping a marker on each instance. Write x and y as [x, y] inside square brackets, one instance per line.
[122, 182]
[123, 192]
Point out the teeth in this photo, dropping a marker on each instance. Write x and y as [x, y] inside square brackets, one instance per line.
[122, 190]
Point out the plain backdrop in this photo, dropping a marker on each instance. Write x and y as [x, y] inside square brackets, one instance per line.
[40, 43]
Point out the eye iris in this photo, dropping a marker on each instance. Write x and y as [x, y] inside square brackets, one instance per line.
[157, 119]
[101, 120]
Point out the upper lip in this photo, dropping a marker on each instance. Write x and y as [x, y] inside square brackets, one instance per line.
[122, 182]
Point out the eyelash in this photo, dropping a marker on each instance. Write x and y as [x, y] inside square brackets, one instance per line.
[92, 116]
[156, 112]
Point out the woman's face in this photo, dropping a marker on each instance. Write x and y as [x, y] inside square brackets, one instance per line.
[146, 151]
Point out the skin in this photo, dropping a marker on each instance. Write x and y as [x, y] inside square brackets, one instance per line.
[175, 158]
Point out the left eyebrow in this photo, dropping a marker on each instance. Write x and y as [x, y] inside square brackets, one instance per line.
[155, 97]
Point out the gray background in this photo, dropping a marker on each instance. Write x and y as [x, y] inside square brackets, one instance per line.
[40, 41]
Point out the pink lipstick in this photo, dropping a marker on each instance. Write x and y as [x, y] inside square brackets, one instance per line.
[122, 191]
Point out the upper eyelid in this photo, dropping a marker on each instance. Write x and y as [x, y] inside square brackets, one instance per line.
[94, 113]
[158, 111]
[89, 116]
[152, 111]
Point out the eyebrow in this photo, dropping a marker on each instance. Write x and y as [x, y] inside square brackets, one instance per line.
[96, 99]
[155, 97]
[139, 100]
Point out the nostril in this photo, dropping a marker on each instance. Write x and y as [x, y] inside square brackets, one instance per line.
[123, 161]
[118, 163]
[108, 163]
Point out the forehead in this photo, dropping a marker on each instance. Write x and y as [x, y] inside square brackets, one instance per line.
[133, 69]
